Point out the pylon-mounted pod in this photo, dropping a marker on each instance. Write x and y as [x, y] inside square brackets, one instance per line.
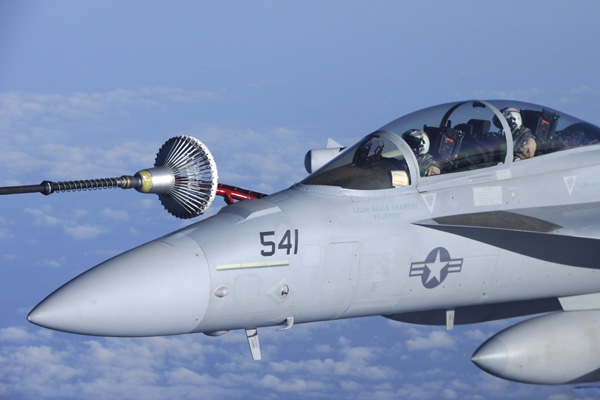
[184, 177]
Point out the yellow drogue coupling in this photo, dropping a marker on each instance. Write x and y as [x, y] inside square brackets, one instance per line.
[156, 180]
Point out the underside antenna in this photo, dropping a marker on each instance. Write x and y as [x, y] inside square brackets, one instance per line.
[184, 177]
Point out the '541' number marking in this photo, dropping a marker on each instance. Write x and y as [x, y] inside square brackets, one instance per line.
[289, 242]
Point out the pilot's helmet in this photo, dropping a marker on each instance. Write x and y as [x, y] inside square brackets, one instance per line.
[417, 140]
[513, 117]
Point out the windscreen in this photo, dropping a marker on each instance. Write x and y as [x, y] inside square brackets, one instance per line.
[373, 163]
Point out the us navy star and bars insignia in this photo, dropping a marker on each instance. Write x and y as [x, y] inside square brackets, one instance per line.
[436, 267]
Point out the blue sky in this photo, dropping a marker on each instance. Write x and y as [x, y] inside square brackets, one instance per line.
[92, 89]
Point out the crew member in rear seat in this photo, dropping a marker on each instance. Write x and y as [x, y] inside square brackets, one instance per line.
[523, 140]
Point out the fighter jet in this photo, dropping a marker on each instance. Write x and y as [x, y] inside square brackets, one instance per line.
[461, 213]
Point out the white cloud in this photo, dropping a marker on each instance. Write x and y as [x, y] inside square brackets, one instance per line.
[449, 394]
[343, 341]
[185, 376]
[324, 348]
[475, 334]
[272, 382]
[42, 217]
[18, 105]
[85, 231]
[43, 135]
[69, 221]
[15, 333]
[6, 234]
[53, 262]
[194, 366]
[351, 362]
[350, 385]
[560, 396]
[435, 339]
[120, 215]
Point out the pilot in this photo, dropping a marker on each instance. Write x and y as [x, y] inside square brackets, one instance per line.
[523, 140]
[419, 143]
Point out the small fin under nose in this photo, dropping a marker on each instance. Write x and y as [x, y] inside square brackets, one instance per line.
[252, 335]
[450, 319]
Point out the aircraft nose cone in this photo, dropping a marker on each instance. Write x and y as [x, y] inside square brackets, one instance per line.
[154, 289]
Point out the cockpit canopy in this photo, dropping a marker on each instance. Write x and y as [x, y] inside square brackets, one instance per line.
[453, 137]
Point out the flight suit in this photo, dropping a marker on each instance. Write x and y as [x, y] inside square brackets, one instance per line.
[524, 144]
